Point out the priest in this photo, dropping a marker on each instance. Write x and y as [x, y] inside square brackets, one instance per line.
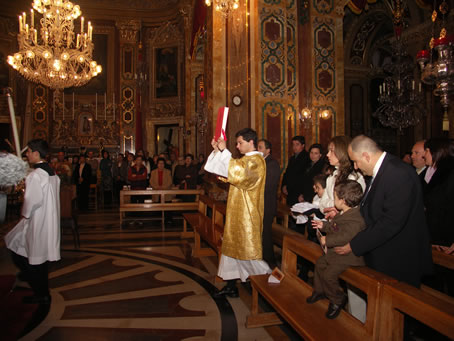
[35, 240]
[242, 239]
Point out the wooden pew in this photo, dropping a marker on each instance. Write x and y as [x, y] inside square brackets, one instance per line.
[162, 205]
[400, 298]
[289, 298]
[443, 259]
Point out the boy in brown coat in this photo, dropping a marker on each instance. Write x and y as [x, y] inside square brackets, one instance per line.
[339, 231]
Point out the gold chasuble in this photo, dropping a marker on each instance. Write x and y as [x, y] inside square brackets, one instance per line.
[245, 204]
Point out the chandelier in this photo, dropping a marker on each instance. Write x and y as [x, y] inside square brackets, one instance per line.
[437, 65]
[398, 97]
[224, 6]
[51, 53]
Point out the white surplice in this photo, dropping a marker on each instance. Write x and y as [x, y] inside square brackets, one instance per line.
[232, 268]
[37, 235]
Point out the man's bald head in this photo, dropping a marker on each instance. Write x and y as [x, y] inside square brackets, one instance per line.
[417, 155]
[364, 152]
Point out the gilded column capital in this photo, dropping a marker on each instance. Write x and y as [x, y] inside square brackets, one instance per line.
[339, 6]
[128, 30]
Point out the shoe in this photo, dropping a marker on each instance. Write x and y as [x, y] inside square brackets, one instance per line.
[36, 299]
[227, 291]
[335, 309]
[315, 297]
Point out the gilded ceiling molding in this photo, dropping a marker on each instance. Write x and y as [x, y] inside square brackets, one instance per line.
[136, 4]
[164, 34]
[129, 30]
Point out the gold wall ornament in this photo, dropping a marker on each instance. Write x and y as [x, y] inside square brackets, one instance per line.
[50, 52]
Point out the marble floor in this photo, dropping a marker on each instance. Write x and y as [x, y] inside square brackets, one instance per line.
[137, 282]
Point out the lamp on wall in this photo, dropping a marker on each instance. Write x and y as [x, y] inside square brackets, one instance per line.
[224, 6]
[50, 52]
[437, 65]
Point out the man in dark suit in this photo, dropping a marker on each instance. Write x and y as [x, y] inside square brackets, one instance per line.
[273, 174]
[293, 180]
[396, 240]
[82, 177]
[418, 161]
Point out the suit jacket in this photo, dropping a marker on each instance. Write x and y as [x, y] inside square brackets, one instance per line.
[86, 176]
[166, 183]
[294, 176]
[439, 203]
[341, 231]
[396, 240]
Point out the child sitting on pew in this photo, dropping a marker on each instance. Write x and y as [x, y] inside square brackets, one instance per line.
[339, 231]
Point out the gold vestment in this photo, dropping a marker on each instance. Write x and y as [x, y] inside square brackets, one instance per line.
[242, 237]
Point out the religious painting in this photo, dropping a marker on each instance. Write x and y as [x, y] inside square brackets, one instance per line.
[97, 84]
[85, 127]
[166, 72]
[167, 138]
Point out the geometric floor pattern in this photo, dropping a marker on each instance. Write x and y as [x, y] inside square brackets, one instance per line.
[137, 282]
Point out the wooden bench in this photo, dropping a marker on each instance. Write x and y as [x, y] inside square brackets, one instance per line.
[162, 205]
[400, 298]
[289, 298]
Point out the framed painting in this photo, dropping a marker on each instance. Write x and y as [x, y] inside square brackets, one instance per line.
[85, 124]
[166, 80]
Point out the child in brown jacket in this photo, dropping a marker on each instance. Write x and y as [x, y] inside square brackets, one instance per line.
[339, 231]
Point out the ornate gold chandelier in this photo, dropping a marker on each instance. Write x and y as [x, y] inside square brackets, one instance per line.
[51, 53]
[224, 6]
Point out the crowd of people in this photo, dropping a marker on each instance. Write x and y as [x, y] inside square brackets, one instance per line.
[138, 171]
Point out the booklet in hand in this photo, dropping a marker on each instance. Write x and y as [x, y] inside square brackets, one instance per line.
[221, 124]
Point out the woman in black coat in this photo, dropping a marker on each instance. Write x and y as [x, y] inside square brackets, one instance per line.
[82, 180]
[439, 205]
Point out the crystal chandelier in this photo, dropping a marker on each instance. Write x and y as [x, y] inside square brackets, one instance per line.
[224, 6]
[51, 53]
[399, 99]
[437, 66]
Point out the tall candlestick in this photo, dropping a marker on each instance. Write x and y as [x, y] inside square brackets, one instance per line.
[96, 107]
[105, 106]
[24, 17]
[32, 17]
[81, 24]
[113, 105]
[13, 124]
[36, 36]
[63, 105]
[73, 105]
[20, 23]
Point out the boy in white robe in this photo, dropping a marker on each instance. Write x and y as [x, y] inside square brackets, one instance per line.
[35, 240]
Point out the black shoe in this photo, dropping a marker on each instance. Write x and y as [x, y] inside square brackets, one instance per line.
[315, 297]
[335, 309]
[36, 299]
[227, 291]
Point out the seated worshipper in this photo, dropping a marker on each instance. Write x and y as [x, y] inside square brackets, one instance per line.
[339, 231]
[242, 239]
[35, 240]
[137, 177]
[161, 178]
[302, 210]
[186, 177]
[105, 167]
[82, 178]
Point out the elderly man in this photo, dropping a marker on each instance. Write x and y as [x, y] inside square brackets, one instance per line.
[396, 240]
[417, 159]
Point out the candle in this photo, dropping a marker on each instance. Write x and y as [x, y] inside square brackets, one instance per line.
[32, 17]
[78, 41]
[26, 29]
[413, 84]
[73, 105]
[96, 107]
[20, 23]
[419, 86]
[63, 106]
[53, 104]
[384, 88]
[398, 84]
[380, 89]
[36, 37]
[24, 17]
[81, 24]
[105, 106]
[13, 125]
[113, 105]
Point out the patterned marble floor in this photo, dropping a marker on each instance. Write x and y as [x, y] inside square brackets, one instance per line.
[139, 283]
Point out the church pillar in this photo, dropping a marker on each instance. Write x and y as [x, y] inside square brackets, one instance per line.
[129, 54]
[323, 32]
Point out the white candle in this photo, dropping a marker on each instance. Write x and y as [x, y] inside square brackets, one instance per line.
[96, 107]
[53, 103]
[113, 105]
[63, 105]
[73, 105]
[105, 106]
[413, 84]
[32, 17]
[20, 23]
[380, 89]
[81, 24]
[398, 84]
[13, 124]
